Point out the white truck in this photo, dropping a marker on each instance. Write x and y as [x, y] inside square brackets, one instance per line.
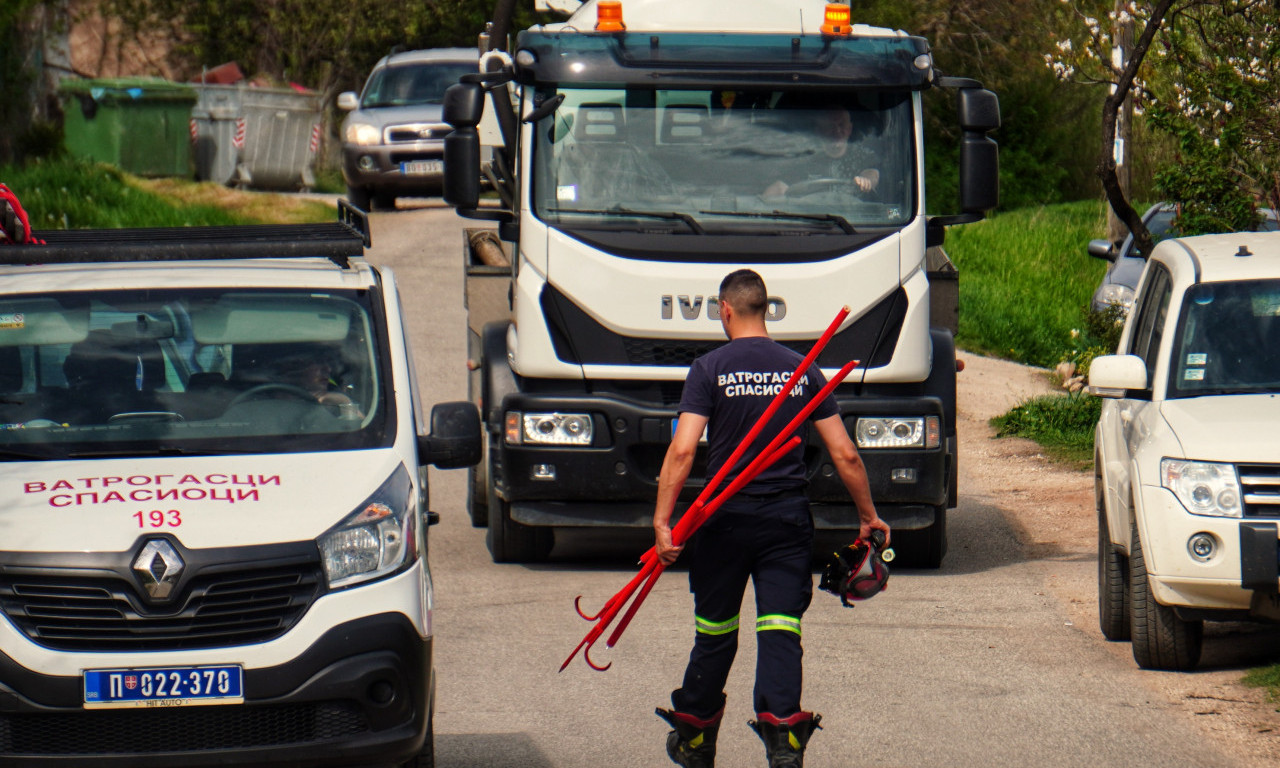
[1187, 468]
[213, 541]
[649, 147]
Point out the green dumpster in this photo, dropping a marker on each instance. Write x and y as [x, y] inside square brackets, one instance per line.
[140, 124]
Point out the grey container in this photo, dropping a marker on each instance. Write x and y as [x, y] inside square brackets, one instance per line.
[265, 138]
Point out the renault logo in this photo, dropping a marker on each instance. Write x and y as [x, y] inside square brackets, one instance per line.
[158, 567]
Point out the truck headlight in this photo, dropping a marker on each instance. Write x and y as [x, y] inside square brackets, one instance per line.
[549, 428]
[1204, 488]
[376, 539]
[362, 134]
[898, 432]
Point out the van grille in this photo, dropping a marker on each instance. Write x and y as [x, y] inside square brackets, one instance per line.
[103, 612]
[1260, 484]
[178, 729]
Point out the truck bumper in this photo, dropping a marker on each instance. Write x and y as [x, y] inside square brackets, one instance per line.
[362, 693]
[614, 481]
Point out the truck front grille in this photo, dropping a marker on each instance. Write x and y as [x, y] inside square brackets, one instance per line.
[104, 612]
[1260, 485]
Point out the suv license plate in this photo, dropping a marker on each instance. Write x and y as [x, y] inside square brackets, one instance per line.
[163, 687]
[421, 167]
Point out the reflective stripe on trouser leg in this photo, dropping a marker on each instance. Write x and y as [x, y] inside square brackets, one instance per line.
[778, 621]
[706, 627]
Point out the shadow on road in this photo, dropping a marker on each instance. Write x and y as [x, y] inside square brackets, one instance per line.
[489, 750]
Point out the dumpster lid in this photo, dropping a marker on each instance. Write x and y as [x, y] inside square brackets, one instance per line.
[337, 241]
[129, 89]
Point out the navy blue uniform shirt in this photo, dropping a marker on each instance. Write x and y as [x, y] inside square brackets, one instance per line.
[732, 386]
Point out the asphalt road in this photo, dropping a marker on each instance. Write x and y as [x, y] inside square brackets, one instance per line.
[977, 664]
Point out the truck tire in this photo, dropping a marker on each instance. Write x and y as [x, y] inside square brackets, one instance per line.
[512, 542]
[1161, 640]
[477, 483]
[1113, 576]
[923, 548]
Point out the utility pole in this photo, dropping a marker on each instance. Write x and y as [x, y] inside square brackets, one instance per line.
[1123, 149]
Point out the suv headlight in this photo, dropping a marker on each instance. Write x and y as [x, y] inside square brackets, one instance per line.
[362, 134]
[1114, 293]
[1204, 488]
[375, 540]
[549, 428]
[898, 432]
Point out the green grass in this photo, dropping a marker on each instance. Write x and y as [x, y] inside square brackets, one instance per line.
[1062, 425]
[64, 193]
[1026, 280]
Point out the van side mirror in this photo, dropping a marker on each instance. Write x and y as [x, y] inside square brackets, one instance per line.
[455, 436]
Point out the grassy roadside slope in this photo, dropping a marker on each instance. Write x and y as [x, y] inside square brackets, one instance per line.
[72, 194]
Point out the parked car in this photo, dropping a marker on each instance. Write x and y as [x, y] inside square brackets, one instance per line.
[393, 138]
[1121, 278]
[1186, 472]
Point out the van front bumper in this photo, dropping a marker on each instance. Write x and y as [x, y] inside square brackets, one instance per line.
[363, 692]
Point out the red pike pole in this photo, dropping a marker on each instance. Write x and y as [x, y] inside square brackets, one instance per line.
[700, 509]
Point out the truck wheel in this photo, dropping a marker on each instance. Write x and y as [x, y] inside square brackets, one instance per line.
[1161, 640]
[923, 548]
[512, 542]
[384, 201]
[1113, 578]
[359, 197]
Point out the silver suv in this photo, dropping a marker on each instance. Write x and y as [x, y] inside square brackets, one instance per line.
[393, 140]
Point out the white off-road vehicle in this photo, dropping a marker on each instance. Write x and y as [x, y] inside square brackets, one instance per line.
[1187, 467]
[213, 528]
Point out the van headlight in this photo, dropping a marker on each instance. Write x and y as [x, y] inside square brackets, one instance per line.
[376, 539]
[548, 428]
[1203, 487]
[898, 432]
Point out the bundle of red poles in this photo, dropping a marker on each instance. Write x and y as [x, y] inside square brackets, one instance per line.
[705, 504]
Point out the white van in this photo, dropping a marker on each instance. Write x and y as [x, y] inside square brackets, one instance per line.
[213, 537]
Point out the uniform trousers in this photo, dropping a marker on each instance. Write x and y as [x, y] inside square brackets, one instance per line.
[768, 540]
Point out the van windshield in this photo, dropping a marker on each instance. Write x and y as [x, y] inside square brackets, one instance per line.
[190, 371]
[726, 162]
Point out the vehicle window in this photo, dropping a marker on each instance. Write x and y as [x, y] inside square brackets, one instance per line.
[1226, 339]
[194, 370]
[719, 161]
[1152, 311]
[402, 85]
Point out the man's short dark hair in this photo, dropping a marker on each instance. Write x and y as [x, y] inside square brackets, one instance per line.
[744, 290]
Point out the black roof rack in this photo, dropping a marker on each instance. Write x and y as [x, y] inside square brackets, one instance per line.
[337, 241]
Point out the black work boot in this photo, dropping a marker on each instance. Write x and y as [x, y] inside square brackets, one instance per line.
[785, 737]
[693, 742]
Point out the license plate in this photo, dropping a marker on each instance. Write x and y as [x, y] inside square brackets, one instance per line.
[676, 421]
[421, 167]
[163, 687]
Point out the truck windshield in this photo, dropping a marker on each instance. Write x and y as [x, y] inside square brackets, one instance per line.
[189, 371]
[1225, 339]
[725, 162]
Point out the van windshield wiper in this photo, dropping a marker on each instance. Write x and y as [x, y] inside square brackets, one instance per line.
[8, 454]
[830, 218]
[691, 222]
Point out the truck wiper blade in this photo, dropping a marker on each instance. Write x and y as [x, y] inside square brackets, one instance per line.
[686, 218]
[830, 218]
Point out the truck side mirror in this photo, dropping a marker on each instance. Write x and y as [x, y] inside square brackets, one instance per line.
[979, 112]
[463, 108]
[455, 436]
